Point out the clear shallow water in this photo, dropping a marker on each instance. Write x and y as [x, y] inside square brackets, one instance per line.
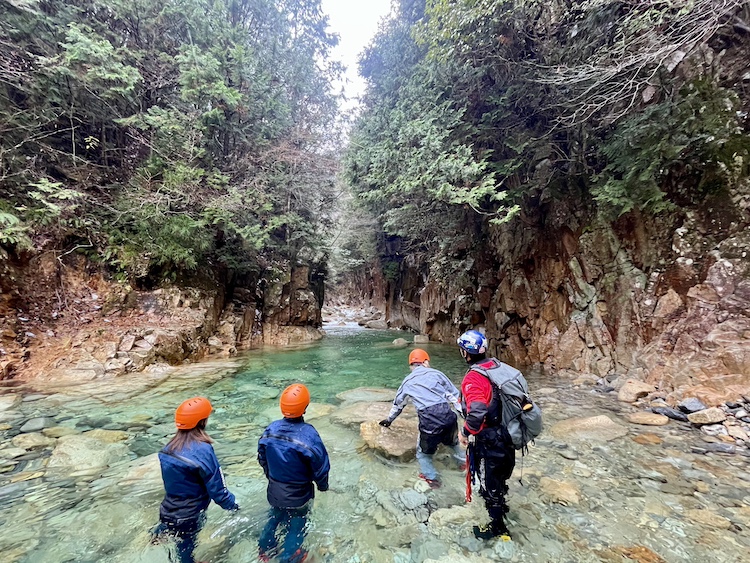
[626, 496]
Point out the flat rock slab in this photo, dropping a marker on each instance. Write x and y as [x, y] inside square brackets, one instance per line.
[713, 415]
[636, 553]
[647, 439]
[367, 395]
[32, 441]
[595, 429]
[647, 418]
[560, 492]
[708, 518]
[354, 414]
[107, 436]
[81, 452]
[9, 401]
[37, 424]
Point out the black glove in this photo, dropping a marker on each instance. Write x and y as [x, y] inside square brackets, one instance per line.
[386, 422]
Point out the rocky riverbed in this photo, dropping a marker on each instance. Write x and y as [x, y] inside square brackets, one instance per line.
[79, 477]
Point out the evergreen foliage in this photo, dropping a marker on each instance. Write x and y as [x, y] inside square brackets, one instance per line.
[170, 135]
[477, 109]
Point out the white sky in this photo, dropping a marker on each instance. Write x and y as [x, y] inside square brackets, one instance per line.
[356, 22]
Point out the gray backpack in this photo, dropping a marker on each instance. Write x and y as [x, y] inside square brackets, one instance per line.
[521, 416]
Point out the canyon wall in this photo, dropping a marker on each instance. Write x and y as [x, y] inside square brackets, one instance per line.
[665, 299]
[62, 319]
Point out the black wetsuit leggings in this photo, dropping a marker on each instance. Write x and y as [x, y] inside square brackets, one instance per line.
[184, 535]
[495, 460]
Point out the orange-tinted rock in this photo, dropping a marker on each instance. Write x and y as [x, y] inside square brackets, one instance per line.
[647, 439]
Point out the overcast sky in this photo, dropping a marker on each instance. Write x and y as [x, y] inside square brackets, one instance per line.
[356, 23]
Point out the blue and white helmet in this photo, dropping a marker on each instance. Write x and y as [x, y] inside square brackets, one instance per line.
[473, 341]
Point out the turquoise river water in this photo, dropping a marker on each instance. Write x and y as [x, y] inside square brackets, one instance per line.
[85, 486]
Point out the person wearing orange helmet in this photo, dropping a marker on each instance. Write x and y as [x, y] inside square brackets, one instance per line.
[293, 457]
[192, 478]
[436, 400]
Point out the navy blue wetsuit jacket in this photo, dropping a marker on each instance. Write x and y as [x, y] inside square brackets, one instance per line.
[192, 477]
[293, 456]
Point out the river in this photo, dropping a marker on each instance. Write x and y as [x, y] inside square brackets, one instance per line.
[81, 482]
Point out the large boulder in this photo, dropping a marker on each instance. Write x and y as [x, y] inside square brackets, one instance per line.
[398, 442]
[144, 471]
[80, 452]
[169, 345]
[708, 416]
[354, 414]
[632, 390]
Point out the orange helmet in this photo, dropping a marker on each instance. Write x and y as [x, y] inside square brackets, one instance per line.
[191, 412]
[418, 356]
[294, 400]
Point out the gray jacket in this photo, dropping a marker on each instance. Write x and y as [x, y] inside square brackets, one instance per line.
[427, 387]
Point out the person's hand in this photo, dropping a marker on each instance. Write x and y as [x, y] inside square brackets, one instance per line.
[385, 423]
[463, 440]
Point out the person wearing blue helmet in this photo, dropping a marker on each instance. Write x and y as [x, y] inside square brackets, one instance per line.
[491, 452]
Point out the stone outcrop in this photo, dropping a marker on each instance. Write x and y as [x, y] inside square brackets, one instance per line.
[60, 321]
[397, 442]
[663, 300]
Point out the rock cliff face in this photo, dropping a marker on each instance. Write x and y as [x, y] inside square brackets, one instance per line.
[64, 320]
[665, 300]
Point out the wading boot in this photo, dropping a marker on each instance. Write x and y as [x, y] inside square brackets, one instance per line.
[433, 483]
[494, 529]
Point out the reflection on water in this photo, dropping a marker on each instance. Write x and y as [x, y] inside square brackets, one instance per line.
[81, 483]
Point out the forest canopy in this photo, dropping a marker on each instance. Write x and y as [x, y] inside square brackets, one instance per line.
[164, 136]
[480, 110]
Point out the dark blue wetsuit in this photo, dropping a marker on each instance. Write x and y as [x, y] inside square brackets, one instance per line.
[293, 457]
[192, 478]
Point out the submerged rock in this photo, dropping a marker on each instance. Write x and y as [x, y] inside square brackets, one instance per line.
[708, 518]
[367, 394]
[560, 492]
[647, 439]
[596, 429]
[37, 424]
[86, 452]
[32, 441]
[7, 402]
